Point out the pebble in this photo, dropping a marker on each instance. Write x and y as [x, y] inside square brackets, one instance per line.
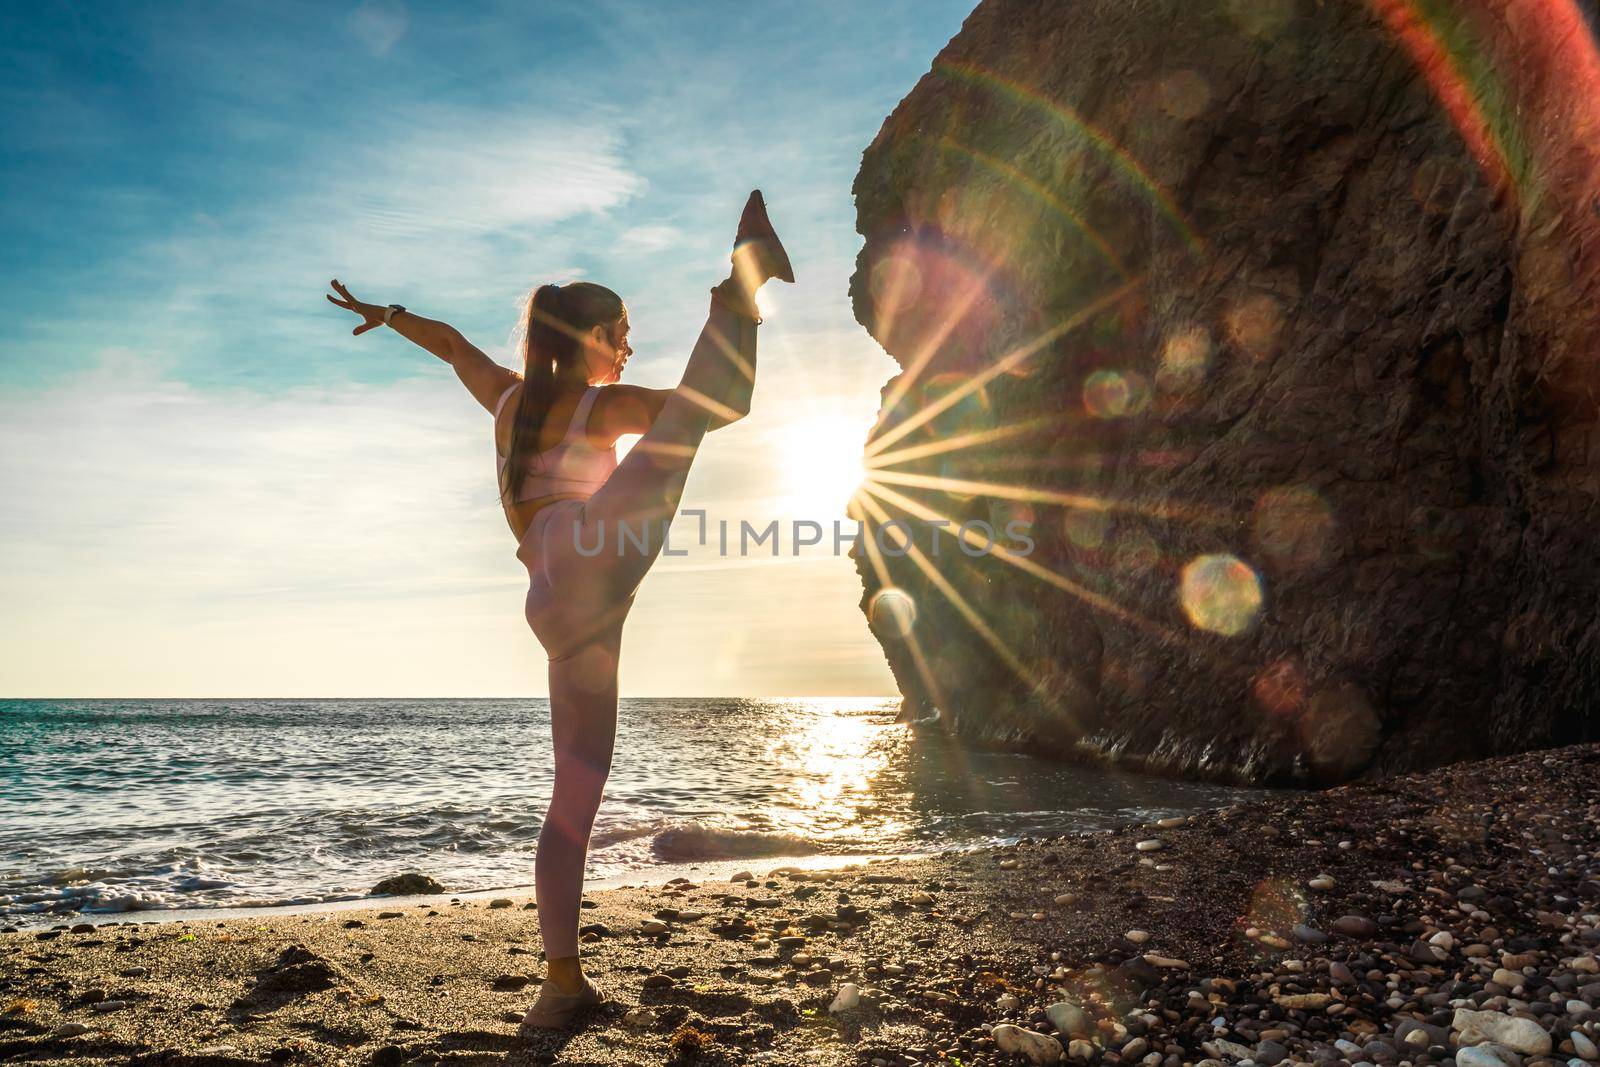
[1270, 1052]
[1321, 881]
[1066, 899]
[1304, 1001]
[1520, 1035]
[108, 1005]
[1008, 865]
[501, 902]
[847, 999]
[1152, 844]
[1069, 1019]
[652, 927]
[1358, 926]
[1584, 1047]
[659, 981]
[70, 1030]
[640, 1018]
[1509, 979]
[1483, 1056]
[1038, 1048]
[1309, 935]
[1138, 937]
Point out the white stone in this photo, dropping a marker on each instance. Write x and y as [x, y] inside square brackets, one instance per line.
[1221, 1047]
[1583, 1046]
[1039, 1048]
[1481, 1056]
[1153, 844]
[847, 999]
[1509, 979]
[1321, 881]
[1069, 1019]
[640, 1018]
[1008, 1002]
[1138, 937]
[1443, 939]
[1519, 1035]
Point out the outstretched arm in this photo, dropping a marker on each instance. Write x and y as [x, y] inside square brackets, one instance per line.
[484, 378]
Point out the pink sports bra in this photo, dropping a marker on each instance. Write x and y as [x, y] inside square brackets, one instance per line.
[573, 465]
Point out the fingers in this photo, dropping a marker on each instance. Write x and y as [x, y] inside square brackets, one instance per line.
[363, 328]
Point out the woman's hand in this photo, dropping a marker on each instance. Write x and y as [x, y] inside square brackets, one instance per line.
[371, 313]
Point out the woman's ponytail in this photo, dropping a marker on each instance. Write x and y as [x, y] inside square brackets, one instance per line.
[557, 318]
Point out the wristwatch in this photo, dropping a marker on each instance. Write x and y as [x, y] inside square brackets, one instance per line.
[388, 312]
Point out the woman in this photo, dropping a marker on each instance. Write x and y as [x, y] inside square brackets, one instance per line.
[578, 516]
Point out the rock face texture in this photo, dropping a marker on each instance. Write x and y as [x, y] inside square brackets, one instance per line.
[1274, 323]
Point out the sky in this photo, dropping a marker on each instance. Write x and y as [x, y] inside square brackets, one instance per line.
[213, 490]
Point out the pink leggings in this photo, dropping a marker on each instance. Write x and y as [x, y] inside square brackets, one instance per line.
[585, 560]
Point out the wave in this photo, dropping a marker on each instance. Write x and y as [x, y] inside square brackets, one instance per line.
[697, 841]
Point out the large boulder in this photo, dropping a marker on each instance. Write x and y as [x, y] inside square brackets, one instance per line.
[1276, 319]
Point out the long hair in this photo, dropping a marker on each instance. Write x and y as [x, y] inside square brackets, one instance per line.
[557, 319]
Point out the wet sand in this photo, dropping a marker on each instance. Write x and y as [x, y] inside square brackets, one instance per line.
[1394, 922]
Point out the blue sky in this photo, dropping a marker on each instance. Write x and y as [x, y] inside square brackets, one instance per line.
[216, 490]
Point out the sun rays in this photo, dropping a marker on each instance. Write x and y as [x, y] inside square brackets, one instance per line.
[1042, 247]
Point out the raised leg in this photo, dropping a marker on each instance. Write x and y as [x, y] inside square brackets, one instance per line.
[644, 492]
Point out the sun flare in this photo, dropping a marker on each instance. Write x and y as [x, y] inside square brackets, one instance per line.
[821, 463]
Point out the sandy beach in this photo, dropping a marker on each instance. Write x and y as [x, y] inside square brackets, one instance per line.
[1405, 921]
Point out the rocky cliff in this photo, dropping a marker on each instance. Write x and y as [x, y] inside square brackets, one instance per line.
[1274, 321]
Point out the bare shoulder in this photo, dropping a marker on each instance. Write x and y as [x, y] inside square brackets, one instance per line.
[623, 409]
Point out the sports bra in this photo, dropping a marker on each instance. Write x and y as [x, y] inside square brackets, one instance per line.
[572, 466]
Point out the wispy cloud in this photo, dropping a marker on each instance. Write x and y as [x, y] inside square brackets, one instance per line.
[213, 488]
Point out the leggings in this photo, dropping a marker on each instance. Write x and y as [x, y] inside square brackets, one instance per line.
[585, 560]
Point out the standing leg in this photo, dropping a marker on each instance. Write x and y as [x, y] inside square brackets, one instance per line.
[583, 725]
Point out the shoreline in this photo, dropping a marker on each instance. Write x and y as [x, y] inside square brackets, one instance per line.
[640, 878]
[1401, 921]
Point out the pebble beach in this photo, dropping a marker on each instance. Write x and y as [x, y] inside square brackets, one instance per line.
[1437, 918]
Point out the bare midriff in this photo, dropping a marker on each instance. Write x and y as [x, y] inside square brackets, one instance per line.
[520, 515]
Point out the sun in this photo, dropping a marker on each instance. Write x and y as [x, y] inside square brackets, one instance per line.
[821, 466]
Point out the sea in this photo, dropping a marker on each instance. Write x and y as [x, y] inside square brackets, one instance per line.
[110, 807]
